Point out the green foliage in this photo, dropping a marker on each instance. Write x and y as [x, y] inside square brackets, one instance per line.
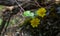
[1, 7]
[28, 13]
[0, 21]
[13, 21]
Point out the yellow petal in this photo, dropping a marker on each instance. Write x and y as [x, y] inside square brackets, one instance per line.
[35, 22]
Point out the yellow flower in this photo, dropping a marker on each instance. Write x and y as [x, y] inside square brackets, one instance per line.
[41, 12]
[35, 22]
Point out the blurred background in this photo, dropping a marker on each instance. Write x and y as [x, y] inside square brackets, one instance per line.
[11, 14]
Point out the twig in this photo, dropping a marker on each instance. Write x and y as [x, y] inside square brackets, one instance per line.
[19, 5]
[37, 3]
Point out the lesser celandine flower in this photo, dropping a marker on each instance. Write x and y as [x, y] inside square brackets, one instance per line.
[35, 22]
[41, 12]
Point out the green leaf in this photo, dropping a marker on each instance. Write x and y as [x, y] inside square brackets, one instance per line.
[26, 13]
[32, 14]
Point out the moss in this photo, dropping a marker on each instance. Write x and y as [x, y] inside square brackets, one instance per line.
[1, 7]
[0, 21]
